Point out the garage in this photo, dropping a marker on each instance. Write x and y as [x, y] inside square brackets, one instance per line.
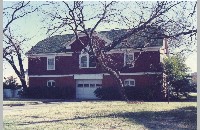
[85, 88]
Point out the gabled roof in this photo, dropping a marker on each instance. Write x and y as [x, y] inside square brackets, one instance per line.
[57, 44]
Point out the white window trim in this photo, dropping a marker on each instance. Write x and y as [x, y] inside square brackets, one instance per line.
[125, 58]
[51, 57]
[51, 82]
[88, 58]
[129, 82]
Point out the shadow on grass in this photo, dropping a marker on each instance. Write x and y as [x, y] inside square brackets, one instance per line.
[182, 118]
[11, 105]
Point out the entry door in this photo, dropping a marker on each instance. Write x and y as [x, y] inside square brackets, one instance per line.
[85, 88]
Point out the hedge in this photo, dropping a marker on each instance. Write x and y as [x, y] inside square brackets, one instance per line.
[50, 92]
[132, 93]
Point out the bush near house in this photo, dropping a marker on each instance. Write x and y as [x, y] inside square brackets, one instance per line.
[11, 83]
[107, 93]
[179, 81]
[11, 89]
[133, 93]
[50, 92]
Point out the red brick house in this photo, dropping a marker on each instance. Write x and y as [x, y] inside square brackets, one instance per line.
[58, 61]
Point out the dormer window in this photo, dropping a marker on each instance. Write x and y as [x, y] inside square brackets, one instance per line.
[86, 61]
[92, 62]
[129, 59]
[50, 63]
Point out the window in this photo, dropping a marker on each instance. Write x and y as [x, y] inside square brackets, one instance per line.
[129, 82]
[92, 62]
[80, 85]
[51, 83]
[92, 85]
[86, 61]
[128, 59]
[86, 85]
[98, 85]
[51, 63]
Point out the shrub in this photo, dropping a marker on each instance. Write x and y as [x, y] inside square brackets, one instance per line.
[11, 83]
[141, 93]
[50, 92]
[107, 93]
[132, 93]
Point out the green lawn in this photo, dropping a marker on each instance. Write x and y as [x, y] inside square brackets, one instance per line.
[92, 115]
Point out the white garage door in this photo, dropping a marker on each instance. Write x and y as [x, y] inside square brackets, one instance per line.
[85, 88]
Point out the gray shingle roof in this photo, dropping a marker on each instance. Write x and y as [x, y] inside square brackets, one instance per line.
[55, 44]
[135, 41]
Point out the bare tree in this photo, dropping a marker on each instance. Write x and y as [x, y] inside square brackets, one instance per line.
[12, 42]
[151, 15]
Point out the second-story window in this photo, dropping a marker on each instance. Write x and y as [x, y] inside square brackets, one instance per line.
[92, 62]
[128, 59]
[86, 61]
[50, 63]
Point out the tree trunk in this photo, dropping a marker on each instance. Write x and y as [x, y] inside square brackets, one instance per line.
[177, 94]
[21, 75]
[23, 82]
[115, 75]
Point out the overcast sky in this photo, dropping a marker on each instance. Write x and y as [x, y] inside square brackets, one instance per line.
[31, 26]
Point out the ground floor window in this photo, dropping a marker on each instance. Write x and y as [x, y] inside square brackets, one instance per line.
[129, 82]
[89, 85]
[51, 83]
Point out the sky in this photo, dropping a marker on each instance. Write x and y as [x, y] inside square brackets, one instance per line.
[31, 26]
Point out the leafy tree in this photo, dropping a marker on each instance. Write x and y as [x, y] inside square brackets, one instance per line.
[177, 78]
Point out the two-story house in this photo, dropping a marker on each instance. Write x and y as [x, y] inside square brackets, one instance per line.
[59, 61]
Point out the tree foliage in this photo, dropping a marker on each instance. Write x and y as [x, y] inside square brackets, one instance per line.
[178, 80]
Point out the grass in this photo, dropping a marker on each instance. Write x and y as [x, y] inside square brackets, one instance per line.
[91, 115]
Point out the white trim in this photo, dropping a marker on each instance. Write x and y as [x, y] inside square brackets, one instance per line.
[73, 39]
[137, 73]
[141, 73]
[49, 54]
[50, 76]
[51, 57]
[88, 76]
[132, 50]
